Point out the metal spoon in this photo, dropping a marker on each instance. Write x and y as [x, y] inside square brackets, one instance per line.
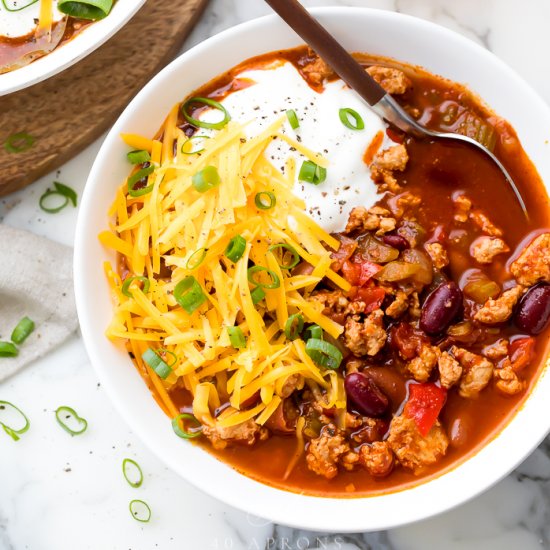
[355, 76]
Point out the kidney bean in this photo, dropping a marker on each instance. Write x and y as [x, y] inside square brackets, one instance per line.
[390, 382]
[364, 395]
[396, 241]
[533, 311]
[440, 308]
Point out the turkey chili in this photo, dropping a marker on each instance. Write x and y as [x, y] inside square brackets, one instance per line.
[439, 289]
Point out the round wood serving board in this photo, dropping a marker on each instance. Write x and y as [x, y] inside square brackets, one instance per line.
[70, 110]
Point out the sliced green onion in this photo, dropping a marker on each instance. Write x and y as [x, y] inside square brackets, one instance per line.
[275, 281]
[313, 331]
[235, 249]
[236, 337]
[137, 177]
[287, 248]
[140, 511]
[186, 433]
[7, 349]
[189, 294]
[129, 280]
[163, 352]
[22, 330]
[132, 471]
[190, 143]
[264, 200]
[324, 353]
[20, 142]
[312, 173]
[206, 179]
[68, 414]
[196, 259]
[351, 119]
[294, 326]
[156, 363]
[139, 156]
[7, 8]
[85, 9]
[14, 433]
[293, 119]
[61, 190]
[257, 294]
[211, 103]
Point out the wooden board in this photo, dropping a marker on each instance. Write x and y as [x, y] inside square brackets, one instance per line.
[70, 110]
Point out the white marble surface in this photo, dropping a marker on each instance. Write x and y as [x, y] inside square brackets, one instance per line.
[63, 493]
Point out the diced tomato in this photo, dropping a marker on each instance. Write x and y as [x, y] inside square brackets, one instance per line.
[372, 296]
[424, 405]
[344, 252]
[522, 351]
[407, 340]
[358, 272]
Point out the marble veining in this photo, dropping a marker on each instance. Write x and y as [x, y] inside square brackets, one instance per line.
[63, 493]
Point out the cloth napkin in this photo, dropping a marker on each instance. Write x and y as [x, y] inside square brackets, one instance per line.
[35, 281]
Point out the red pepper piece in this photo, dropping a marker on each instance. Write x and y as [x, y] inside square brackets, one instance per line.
[522, 352]
[371, 296]
[424, 405]
[359, 272]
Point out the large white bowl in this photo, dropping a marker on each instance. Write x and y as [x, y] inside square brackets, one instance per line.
[66, 55]
[380, 32]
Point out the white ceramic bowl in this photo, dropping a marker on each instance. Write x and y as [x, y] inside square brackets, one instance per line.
[380, 32]
[66, 55]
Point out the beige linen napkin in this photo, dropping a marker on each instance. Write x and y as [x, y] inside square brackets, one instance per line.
[35, 281]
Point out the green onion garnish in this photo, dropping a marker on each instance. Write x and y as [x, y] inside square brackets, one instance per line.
[140, 511]
[293, 119]
[139, 156]
[137, 177]
[196, 259]
[129, 280]
[312, 173]
[313, 331]
[235, 249]
[7, 349]
[7, 8]
[264, 200]
[61, 190]
[189, 294]
[294, 326]
[22, 331]
[286, 248]
[14, 433]
[132, 472]
[348, 115]
[186, 433]
[85, 9]
[275, 281]
[211, 103]
[236, 337]
[324, 353]
[206, 179]
[156, 363]
[257, 294]
[188, 143]
[20, 142]
[64, 414]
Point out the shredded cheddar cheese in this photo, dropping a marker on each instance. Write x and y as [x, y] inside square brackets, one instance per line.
[171, 223]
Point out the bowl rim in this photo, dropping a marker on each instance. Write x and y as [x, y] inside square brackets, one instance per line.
[81, 45]
[298, 510]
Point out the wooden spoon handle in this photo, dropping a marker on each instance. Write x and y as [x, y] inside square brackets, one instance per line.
[327, 47]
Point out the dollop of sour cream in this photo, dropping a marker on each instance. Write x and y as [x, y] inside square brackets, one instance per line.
[23, 21]
[348, 183]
